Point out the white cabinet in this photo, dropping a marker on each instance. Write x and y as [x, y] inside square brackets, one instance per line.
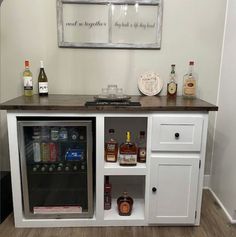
[176, 144]
[177, 133]
[173, 190]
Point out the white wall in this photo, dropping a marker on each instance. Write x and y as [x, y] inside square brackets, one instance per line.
[191, 30]
[224, 156]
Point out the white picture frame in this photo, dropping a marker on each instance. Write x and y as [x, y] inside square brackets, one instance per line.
[109, 24]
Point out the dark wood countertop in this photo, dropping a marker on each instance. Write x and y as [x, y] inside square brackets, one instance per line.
[77, 103]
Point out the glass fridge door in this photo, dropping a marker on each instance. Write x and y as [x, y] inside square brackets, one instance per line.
[56, 168]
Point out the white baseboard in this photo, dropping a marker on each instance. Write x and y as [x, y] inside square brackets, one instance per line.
[232, 221]
[206, 181]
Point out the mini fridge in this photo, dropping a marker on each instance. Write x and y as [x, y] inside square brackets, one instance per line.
[56, 158]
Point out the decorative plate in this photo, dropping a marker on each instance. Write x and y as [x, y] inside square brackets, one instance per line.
[150, 83]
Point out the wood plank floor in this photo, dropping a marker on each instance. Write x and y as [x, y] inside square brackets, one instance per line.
[213, 224]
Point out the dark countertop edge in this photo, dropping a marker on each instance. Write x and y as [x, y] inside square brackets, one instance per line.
[105, 108]
[148, 104]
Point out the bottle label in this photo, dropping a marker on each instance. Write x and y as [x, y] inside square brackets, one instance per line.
[128, 158]
[142, 153]
[110, 157]
[190, 87]
[172, 88]
[28, 83]
[110, 147]
[124, 207]
[43, 87]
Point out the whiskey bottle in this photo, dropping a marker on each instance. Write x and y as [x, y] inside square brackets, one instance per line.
[128, 152]
[107, 194]
[125, 205]
[172, 85]
[190, 82]
[111, 147]
[142, 147]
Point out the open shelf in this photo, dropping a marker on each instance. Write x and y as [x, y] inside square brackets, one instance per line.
[137, 212]
[116, 169]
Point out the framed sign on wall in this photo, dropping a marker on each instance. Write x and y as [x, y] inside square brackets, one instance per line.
[109, 24]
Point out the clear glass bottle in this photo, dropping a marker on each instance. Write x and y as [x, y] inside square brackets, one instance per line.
[172, 84]
[190, 82]
[141, 147]
[107, 194]
[42, 81]
[28, 80]
[128, 152]
[111, 147]
[125, 205]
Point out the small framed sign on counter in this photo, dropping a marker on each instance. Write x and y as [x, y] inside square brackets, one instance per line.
[109, 24]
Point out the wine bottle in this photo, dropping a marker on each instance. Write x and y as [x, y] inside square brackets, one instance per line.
[28, 80]
[42, 81]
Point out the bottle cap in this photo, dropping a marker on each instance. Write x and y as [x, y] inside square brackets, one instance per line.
[191, 63]
[142, 133]
[41, 64]
[111, 130]
[26, 63]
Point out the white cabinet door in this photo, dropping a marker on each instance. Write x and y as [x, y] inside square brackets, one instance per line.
[173, 190]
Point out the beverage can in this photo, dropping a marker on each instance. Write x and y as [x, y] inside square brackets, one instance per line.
[45, 152]
[53, 148]
[55, 134]
[63, 134]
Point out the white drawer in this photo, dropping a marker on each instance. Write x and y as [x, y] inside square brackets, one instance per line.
[176, 133]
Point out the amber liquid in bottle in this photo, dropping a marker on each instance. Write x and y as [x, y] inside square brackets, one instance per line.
[172, 85]
[128, 152]
[125, 205]
[142, 147]
[111, 148]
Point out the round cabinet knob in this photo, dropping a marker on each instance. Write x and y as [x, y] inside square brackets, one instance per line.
[154, 189]
[177, 135]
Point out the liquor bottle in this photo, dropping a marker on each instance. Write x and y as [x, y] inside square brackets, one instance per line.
[125, 204]
[28, 80]
[42, 81]
[111, 147]
[107, 194]
[128, 152]
[190, 82]
[141, 147]
[172, 84]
